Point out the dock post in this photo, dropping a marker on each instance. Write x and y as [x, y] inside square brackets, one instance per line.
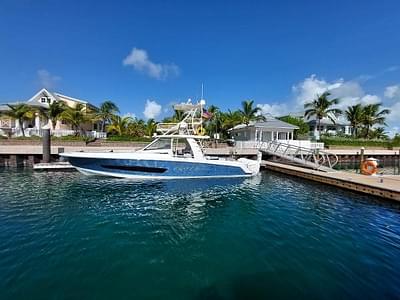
[361, 157]
[398, 163]
[46, 145]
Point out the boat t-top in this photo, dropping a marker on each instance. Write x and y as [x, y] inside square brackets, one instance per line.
[175, 154]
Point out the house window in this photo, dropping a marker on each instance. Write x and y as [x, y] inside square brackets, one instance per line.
[48, 100]
[43, 99]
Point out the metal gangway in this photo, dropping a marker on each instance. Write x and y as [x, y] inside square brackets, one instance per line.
[312, 158]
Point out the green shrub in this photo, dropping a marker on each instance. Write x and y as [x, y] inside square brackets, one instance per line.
[27, 138]
[345, 141]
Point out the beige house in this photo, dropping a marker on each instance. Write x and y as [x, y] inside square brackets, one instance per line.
[42, 99]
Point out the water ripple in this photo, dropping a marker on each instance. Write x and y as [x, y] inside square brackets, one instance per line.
[65, 235]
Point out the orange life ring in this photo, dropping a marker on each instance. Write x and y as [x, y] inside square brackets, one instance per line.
[369, 167]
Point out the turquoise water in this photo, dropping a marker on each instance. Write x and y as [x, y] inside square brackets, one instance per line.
[64, 236]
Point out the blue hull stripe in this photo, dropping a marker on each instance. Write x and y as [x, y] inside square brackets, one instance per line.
[172, 168]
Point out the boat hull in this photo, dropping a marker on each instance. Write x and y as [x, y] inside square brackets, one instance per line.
[156, 169]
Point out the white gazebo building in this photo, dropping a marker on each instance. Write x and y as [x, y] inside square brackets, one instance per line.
[271, 129]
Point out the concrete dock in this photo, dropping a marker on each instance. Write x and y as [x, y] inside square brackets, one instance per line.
[385, 186]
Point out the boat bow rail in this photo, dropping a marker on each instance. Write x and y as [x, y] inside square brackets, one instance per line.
[312, 158]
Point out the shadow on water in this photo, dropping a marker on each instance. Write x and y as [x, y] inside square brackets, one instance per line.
[260, 285]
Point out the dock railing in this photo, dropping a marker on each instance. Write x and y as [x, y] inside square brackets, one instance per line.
[312, 157]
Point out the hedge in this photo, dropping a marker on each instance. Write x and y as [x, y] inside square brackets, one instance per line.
[361, 142]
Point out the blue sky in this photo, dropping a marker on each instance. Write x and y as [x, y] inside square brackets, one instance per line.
[278, 53]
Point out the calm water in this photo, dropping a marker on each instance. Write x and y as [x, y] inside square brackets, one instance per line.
[64, 235]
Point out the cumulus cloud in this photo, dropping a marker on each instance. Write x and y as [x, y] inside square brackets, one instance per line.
[392, 91]
[140, 61]
[349, 92]
[306, 90]
[394, 115]
[152, 109]
[275, 109]
[46, 79]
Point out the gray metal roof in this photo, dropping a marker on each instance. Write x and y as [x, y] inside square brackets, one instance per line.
[269, 123]
[274, 123]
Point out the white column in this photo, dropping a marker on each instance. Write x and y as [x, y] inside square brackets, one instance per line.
[17, 124]
[37, 121]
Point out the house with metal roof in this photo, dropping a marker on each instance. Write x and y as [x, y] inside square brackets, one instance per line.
[271, 129]
[42, 100]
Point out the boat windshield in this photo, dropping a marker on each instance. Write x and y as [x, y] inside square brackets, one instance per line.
[179, 146]
[160, 144]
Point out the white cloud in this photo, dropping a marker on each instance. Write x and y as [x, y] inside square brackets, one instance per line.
[130, 114]
[393, 131]
[370, 99]
[152, 109]
[307, 90]
[276, 110]
[392, 91]
[394, 115]
[46, 79]
[140, 61]
[349, 92]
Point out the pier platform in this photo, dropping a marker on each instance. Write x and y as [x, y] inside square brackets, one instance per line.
[385, 186]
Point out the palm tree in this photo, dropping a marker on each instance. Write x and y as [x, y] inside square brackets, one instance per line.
[54, 112]
[213, 123]
[75, 116]
[250, 113]
[379, 133]
[320, 107]
[354, 114]
[106, 111]
[119, 125]
[151, 127]
[229, 120]
[372, 115]
[21, 112]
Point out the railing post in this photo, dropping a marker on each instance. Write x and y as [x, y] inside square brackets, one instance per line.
[361, 157]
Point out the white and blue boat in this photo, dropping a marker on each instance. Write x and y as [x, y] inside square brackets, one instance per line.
[176, 154]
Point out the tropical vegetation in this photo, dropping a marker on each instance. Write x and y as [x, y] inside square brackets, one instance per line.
[322, 107]
[367, 121]
[105, 113]
[21, 113]
[304, 128]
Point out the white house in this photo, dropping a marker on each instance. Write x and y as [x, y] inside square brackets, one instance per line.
[269, 130]
[272, 129]
[42, 99]
[340, 126]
